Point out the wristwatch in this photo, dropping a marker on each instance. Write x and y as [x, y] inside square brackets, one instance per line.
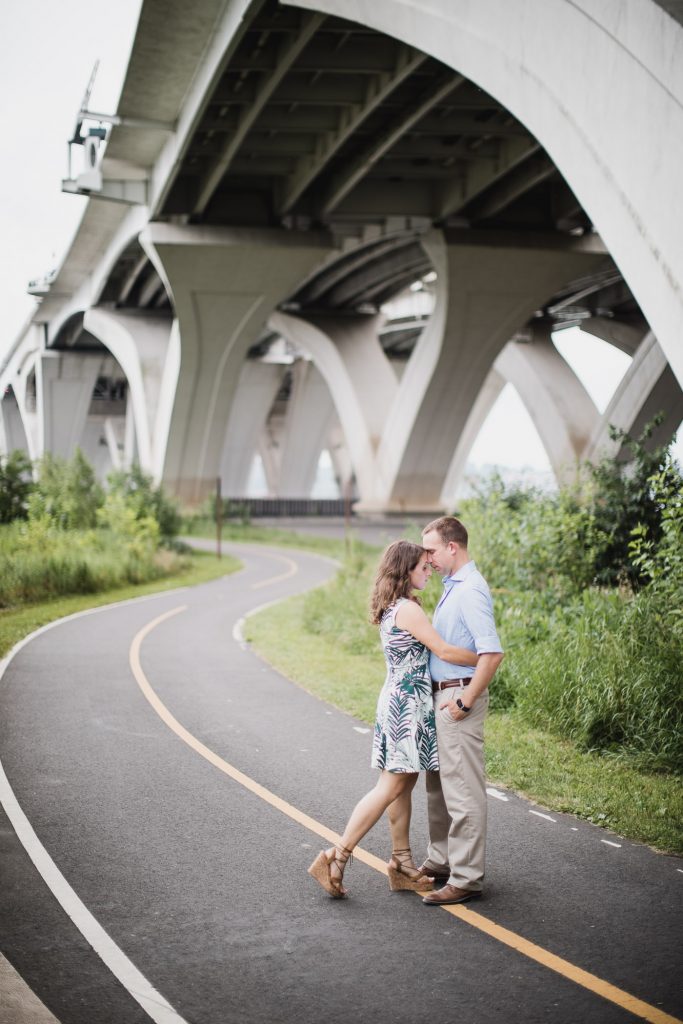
[463, 707]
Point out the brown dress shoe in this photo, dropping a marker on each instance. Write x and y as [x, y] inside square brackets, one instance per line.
[450, 894]
[438, 874]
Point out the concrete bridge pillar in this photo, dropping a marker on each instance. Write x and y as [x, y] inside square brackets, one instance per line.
[147, 350]
[485, 293]
[486, 399]
[300, 437]
[562, 411]
[64, 385]
[224, 284]
[359, 377]
[402, 434]
[648, 387]
[12, 432]
[257, 388]
[341, 462]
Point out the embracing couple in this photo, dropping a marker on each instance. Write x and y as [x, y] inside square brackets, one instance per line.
[430, 717]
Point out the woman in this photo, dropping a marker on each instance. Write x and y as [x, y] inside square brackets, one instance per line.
[404, 741]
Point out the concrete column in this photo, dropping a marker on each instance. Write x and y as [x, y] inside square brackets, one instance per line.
[359, 377]
[563, 412]
[268, 449]
[647, 388]
[224, 284]
[12, 432]
[486, 399]
[485, 293]
[341, 461]
[145, 348]
[114, 434]
[305, 427]
[257, 387]
[65, 383]
[96, 447]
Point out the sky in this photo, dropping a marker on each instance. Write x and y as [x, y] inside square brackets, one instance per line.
[47, 52]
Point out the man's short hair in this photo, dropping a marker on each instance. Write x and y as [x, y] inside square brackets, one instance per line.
[449, 529]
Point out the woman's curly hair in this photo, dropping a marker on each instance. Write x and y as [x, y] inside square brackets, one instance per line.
[393, 577]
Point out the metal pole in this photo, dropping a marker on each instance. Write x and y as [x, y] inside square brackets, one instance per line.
[219, 517]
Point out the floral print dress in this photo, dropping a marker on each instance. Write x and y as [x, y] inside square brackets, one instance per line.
[405, 730]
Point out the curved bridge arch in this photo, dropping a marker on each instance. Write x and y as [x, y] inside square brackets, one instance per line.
[636, 204]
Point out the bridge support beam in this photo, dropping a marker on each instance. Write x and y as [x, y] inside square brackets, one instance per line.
[488, 395]
[224, 283]
[64, 386]
[648, 387]
[485, 293]
[12, 433]
[257, 388]
[359, 377]
[562, 411]
[293, 442]
[147, 350]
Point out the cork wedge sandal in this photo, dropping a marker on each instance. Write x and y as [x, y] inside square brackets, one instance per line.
[328, 870]
[404, 876]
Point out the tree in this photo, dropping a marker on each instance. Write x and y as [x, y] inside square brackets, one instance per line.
[624, 498]
[15, 486]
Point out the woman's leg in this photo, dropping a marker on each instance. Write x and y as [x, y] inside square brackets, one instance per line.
[368, 810]
[399, 813]
[328, 867]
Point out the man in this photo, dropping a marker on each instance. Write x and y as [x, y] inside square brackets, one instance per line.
[456, 795]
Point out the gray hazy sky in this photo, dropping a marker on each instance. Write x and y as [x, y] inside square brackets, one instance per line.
[47, 52]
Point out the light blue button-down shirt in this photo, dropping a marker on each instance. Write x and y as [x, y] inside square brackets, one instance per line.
[464, 617]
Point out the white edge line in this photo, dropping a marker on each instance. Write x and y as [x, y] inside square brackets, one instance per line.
[152, 1002]
[546, 816]
[142, 991]
[496, 793]
[238, 628]
[608, 843]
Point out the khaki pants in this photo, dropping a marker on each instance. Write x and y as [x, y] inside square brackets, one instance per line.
[456, 795]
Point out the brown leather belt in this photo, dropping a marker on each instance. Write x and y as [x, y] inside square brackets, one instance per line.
[446, 683]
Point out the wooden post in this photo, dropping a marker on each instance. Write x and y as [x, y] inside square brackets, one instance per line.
[219, 517]
[347, 515]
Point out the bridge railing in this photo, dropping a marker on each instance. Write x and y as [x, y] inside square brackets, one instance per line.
[256, 508]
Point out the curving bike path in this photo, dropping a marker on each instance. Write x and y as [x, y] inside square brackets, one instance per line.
[179, 787]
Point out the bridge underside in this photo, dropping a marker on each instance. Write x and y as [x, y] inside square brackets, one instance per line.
[326, 169]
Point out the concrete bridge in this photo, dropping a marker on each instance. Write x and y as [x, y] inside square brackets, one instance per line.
[340, 225]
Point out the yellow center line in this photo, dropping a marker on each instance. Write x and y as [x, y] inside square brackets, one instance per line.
[292, 570]
[509, 938]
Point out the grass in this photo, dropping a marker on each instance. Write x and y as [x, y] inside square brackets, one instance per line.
[16, 623]
[528, 760]
[252, 533]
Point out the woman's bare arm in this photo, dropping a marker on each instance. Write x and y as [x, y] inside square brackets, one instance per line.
[411, 617]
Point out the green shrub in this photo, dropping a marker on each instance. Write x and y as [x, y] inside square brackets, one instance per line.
[66, 492]
[146, 500]
[39, 561]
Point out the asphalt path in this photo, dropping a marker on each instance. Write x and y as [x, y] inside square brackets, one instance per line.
[148, 803]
